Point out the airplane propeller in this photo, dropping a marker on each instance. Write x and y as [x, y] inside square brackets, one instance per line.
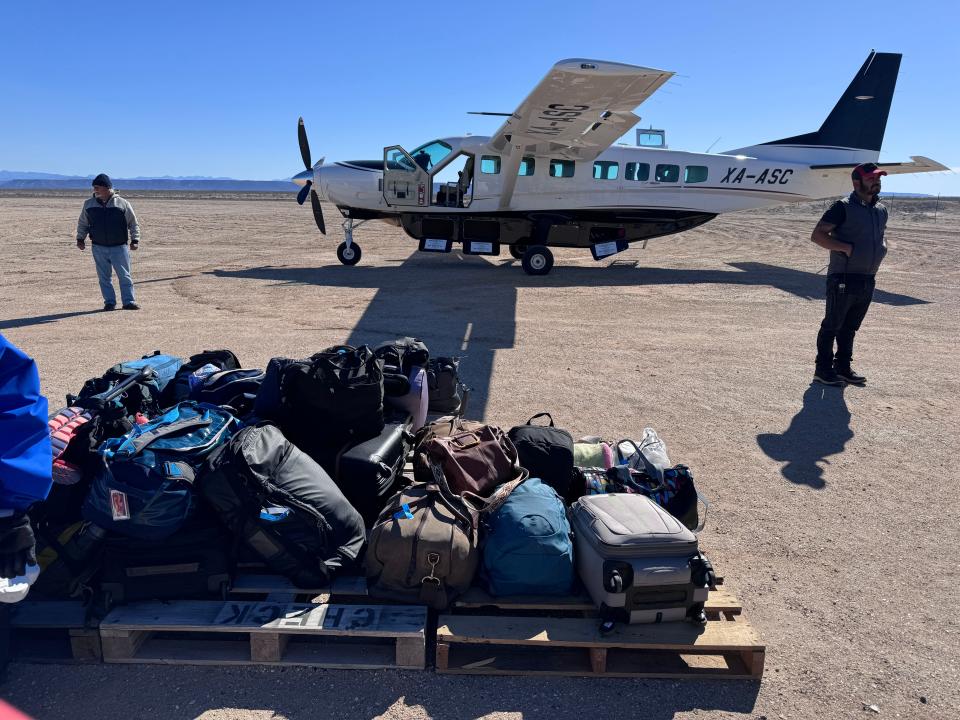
[307, 186]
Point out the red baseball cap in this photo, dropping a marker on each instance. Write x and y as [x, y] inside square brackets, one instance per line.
[867, 171]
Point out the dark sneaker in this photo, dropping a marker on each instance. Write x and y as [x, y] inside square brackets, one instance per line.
[131, 306]
[828, 377]
[109, 306]
[847, 374]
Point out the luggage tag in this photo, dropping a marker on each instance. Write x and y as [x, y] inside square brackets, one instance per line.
[403, 513]
[119, 507]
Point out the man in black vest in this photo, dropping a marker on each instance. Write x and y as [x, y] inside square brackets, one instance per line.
[852, 230]
[111, 223]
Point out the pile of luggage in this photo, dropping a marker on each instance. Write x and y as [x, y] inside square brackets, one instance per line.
[171, 473]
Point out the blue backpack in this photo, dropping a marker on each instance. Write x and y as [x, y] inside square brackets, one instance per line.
[144, 488]
[528, 548]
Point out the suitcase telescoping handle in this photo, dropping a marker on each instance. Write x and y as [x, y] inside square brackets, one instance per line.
[99, 402]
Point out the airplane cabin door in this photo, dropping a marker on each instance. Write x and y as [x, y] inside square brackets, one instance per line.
[405, 182]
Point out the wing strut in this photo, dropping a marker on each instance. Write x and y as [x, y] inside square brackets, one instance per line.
[511, 167]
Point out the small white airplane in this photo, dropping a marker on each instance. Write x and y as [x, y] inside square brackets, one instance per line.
[551, 176]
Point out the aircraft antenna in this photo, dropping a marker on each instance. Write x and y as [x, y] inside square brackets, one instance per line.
[713, 143]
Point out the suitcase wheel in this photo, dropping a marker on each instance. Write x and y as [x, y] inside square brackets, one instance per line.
[615, 582]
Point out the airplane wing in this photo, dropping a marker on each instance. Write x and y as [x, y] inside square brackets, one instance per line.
[579, 109]
[920, 164]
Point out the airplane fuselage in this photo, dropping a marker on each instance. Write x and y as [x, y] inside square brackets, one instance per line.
[646, 192]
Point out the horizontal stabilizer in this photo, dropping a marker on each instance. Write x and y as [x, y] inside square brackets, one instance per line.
[920, 164]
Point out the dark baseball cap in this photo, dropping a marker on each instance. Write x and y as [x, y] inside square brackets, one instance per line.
[866, 171]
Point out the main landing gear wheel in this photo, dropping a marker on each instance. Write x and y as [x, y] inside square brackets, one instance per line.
[537, 260]
[518, 250]
[348, 255]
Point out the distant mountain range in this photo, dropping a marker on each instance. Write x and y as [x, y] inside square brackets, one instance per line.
[24, 180]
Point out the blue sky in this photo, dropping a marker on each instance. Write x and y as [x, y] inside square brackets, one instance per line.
[215, 88]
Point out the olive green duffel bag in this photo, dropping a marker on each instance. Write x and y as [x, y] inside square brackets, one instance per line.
[423, 547]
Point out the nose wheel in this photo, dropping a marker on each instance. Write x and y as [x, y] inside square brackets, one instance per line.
[537, 260]
[348, 254]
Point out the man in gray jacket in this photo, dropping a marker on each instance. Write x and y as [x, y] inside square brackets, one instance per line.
[852, 230]
[111, 223]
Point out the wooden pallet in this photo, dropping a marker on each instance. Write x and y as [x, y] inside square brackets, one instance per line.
[477, 600]
[53, 631]
[241, 633]
[272, 586]
[502, 644]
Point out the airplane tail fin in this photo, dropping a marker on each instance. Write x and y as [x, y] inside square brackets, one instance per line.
[858, 120]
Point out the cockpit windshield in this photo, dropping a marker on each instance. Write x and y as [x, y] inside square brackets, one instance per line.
[430, 155]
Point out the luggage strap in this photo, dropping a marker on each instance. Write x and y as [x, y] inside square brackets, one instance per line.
[134, 445]
[706, 507]
[432, 590]
[179, 470]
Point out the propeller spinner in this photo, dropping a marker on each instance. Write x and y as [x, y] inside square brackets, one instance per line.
[307, 176]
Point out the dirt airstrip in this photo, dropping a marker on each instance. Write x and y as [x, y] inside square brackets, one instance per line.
[834, 511]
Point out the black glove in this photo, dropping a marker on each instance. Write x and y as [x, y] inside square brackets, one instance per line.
[17, 545]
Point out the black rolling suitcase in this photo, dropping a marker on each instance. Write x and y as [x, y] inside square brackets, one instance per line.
[193, 563]
[371, 472]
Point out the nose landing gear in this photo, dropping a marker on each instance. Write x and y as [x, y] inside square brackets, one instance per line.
[348, 252]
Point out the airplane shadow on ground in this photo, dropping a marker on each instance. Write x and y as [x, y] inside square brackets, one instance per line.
[821, 428]
[464, 305]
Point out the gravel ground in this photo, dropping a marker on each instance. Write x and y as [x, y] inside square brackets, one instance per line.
[834, 511]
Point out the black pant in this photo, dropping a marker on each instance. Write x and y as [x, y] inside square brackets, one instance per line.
[846, 308]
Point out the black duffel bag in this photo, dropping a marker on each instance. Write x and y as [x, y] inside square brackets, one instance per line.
[233, 389]
[178, 389]
[546, 452]
[318, 533]
[334, 398]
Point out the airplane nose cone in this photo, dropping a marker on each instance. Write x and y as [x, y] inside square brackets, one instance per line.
[301, 177]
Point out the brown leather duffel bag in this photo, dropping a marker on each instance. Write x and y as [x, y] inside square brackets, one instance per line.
[474, 460]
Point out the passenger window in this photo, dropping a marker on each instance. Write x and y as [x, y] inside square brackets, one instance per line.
[637, 171]
[527, 166]
[561, 168]
[605, 170]
[490, 165]
[694, 173]
[667, 173]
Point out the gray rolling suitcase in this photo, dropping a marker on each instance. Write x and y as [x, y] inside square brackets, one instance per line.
[638, 562]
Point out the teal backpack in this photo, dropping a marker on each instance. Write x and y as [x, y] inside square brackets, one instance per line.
[528, 546]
